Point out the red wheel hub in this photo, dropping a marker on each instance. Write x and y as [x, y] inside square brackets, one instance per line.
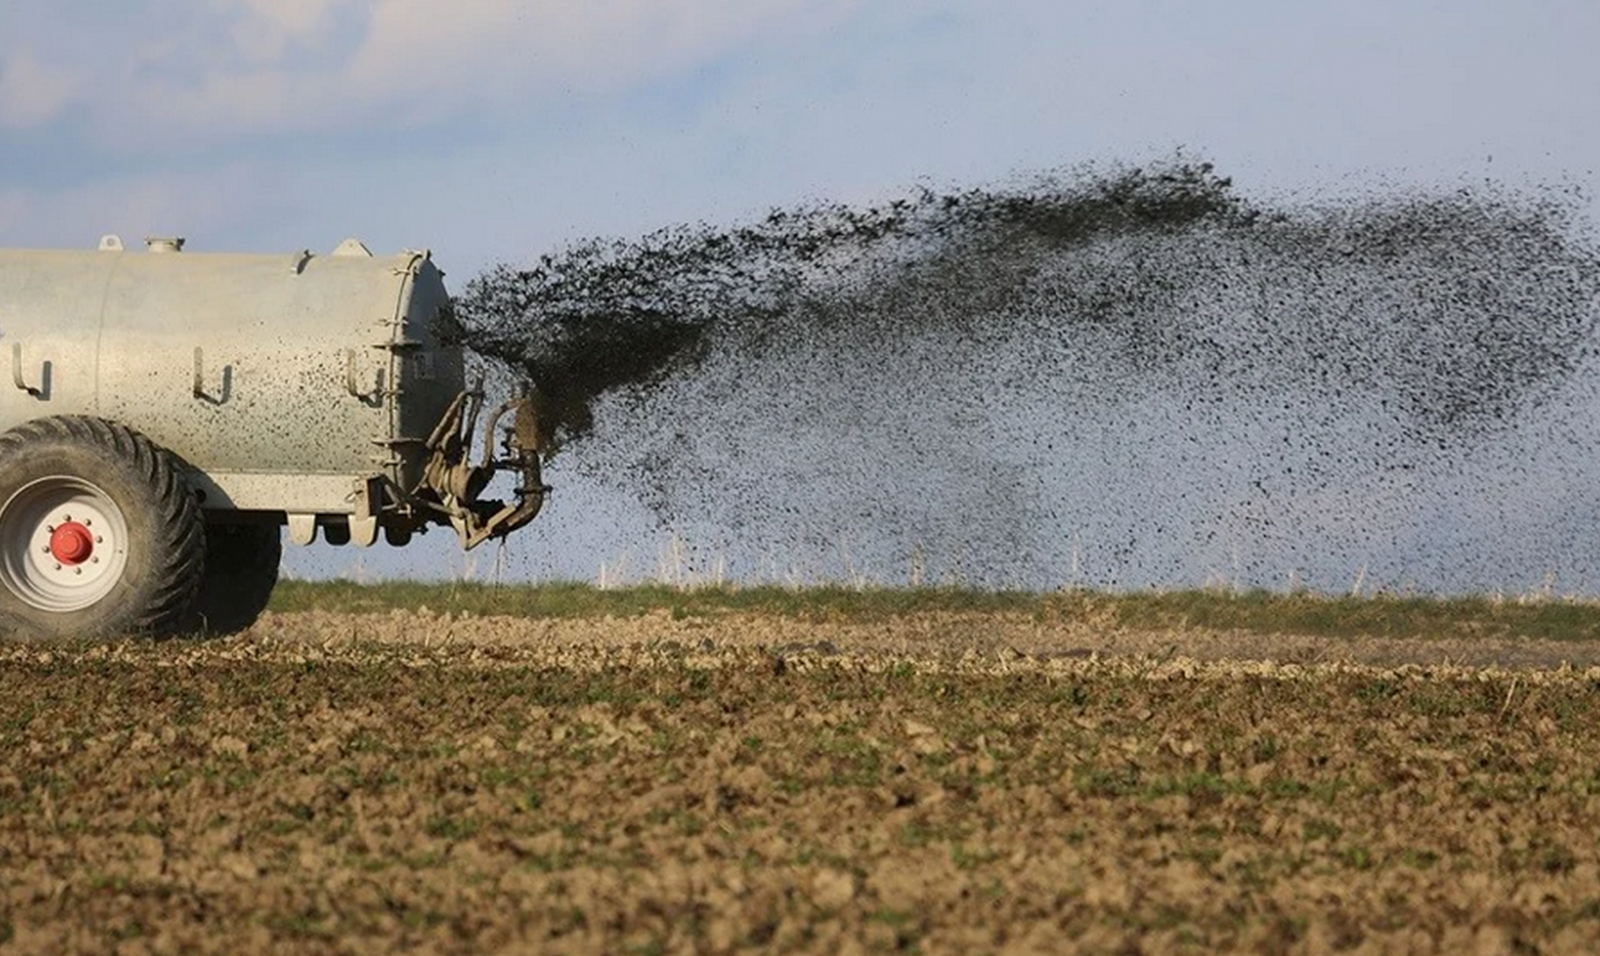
[71, 543]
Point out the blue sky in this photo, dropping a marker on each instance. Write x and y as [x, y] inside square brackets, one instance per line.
[493, 129]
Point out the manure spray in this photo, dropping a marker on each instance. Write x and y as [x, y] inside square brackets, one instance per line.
[1113, 378]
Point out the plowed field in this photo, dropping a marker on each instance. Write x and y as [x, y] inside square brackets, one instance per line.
[938, 784]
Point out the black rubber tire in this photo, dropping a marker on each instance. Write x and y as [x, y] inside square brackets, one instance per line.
[241, 570]
[165, 539]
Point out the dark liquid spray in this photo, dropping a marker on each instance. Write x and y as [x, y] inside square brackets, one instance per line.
[1111, 379]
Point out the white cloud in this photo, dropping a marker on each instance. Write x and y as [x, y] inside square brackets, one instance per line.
[210, 68]
[32, 93]
[600, 44]
[494, 52]
[263, 30]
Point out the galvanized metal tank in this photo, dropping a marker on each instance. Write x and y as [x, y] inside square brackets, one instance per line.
[313, 391]
[276, 379]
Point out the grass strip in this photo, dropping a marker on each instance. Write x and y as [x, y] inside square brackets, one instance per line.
[1259, 611]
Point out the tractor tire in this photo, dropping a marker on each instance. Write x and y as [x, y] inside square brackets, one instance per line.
[241, 570]
[100, 535]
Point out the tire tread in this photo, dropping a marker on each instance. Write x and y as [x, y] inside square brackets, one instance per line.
[181, 530]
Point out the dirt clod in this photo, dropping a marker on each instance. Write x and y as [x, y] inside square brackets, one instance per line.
[325, 785]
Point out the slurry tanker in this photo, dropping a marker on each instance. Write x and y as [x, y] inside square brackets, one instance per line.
[165, 415]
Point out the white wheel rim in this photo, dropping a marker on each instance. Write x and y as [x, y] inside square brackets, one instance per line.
[63, 544]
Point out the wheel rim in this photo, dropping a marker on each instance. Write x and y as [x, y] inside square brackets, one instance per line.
[63, 544]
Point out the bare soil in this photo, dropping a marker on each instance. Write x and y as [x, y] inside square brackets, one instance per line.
[332, 783]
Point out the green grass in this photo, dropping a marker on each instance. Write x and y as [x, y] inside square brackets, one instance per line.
[573, 600]
[1261, 612]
